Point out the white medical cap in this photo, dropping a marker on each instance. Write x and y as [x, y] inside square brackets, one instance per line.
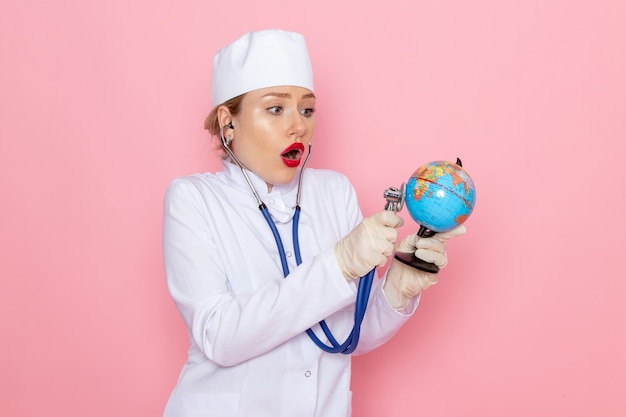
[261, 59]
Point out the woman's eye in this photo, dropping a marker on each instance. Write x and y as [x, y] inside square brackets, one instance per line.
[307, 112]
[275, 110]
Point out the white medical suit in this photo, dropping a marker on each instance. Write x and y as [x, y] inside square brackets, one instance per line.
[249, 355]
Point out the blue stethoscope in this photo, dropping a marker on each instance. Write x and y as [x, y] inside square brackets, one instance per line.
[365, 283]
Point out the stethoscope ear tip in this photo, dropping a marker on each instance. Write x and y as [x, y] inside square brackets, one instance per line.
[226, 140]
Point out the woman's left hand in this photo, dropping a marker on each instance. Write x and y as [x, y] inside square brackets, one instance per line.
[405, 282]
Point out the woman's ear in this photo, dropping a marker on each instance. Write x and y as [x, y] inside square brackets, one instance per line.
[224, 117]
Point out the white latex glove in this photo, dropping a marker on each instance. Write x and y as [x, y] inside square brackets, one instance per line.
[405, 282]
[368, 245]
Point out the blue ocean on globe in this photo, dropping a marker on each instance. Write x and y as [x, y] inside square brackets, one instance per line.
[440, 195]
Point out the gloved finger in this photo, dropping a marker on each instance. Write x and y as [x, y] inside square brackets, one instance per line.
[416, 281]
[408, 244]
[431, 243]
[413, 284]
[378, 233]
[434, 257]
[387, 250]
[382, 259]
[457, 231]
[390, 235]
[388, 218]
[427, 280]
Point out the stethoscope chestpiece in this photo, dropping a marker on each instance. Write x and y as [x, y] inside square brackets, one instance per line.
[395, 198]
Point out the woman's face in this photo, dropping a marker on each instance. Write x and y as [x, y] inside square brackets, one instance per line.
[272, 131]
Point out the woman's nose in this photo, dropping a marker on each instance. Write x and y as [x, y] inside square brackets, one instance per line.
[297, 126]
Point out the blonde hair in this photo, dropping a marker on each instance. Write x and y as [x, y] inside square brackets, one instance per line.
[212, 124]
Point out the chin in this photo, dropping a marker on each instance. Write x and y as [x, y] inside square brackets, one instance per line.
[283, 179]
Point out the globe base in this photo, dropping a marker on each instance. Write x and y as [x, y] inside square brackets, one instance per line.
[415, 262]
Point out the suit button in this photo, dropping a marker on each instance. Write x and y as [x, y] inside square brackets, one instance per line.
[307, 374]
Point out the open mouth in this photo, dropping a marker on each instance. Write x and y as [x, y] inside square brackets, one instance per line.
[293, 154]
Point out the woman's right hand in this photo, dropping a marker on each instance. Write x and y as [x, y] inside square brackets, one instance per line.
[368, 245]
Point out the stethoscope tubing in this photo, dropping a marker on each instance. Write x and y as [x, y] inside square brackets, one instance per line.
[362, 298]
[365, 282]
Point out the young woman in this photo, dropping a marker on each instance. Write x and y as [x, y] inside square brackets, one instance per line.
[259, 254]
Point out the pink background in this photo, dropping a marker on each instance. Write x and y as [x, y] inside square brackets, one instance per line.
[102, 105]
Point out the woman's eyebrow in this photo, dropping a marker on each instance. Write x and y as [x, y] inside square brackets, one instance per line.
[281, 95]
[286, 95]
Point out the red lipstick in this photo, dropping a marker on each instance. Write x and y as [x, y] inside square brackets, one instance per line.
[293, 154]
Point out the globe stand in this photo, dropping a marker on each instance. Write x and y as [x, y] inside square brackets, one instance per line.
[411, 260]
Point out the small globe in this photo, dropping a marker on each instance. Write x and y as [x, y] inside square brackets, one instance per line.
[440, 195]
